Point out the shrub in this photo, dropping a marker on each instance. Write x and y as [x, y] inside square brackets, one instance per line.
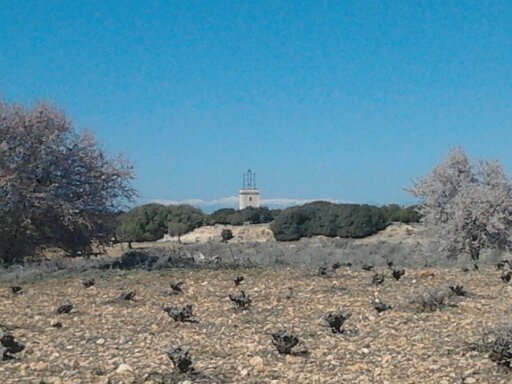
[256, 215]
[397, 213]
[328, 219]
[151, 222]
[227, 234]
[238, 217]
[143, 223]
[222, 216]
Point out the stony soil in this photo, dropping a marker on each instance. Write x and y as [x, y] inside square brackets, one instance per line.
[213, 233]
[110, 341]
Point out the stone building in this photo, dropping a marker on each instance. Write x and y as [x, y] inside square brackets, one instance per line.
[249, 195]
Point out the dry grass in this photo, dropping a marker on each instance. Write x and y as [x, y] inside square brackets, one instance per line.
[402, 345]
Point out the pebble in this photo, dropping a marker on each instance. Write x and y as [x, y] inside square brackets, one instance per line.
[39, 366]
[257, 363]
[124, 368]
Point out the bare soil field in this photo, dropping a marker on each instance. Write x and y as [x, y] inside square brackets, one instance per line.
[109, 340]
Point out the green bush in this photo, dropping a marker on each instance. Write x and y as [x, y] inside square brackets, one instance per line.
[143, 223]
[238, 217]
[187, 215]
[226, 216]
[395, 212]
[151, 222]
[227, 234]
[328, 219]
[256, 215]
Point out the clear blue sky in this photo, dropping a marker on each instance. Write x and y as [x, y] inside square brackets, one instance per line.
[345, 100]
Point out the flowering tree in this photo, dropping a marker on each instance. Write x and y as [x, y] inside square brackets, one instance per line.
[466, 207]
[56, 186]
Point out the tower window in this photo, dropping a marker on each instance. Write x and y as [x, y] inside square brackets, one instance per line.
[250, 198]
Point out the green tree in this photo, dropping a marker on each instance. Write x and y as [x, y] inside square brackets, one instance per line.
[151, 222]
[143, 223]
[328, 219]
[222, 216]
[395, 212]
[190, 216]
[178, 229]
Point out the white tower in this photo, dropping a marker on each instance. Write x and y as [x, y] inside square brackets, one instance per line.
[249, 195]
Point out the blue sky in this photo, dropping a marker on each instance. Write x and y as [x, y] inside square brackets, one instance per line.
[342, 100]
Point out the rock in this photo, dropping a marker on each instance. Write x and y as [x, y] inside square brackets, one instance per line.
[123, 368]
[39, 366]
[257, 363]
[290, 359]
[100, 341]
[507, 289]
[53, 380]
[385, 360]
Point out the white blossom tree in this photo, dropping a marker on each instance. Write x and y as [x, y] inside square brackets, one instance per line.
[466, 207]
[56, 185]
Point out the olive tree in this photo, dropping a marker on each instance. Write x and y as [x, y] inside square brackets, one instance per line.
[146, 222]
[57, 186]
[175, 228]
[466, 206]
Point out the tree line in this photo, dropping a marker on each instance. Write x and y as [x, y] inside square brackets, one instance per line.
[151, 222]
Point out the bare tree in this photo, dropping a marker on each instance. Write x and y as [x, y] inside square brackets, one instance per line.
[466, 207]
[57, 186]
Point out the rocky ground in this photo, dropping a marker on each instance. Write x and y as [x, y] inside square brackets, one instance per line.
[213, 233]
[105, 339]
